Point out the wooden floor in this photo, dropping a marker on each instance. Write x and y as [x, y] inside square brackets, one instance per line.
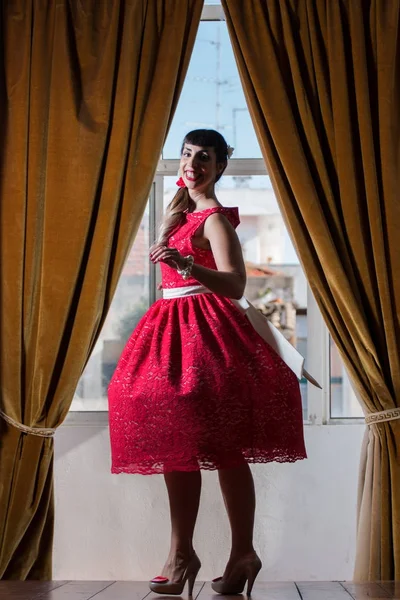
[129, 590]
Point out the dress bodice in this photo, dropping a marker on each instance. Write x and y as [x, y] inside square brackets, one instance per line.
[182, 237]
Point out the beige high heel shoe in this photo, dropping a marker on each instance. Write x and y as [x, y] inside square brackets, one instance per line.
[162, 585]
[245, 569]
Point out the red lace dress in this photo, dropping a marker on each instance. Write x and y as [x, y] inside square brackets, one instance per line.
[196, 387]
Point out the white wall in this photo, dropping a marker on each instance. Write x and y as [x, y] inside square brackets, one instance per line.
[116, 526]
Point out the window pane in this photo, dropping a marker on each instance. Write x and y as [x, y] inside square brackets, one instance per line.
[212, 96]
[130, 302]
[344, 403]
[275, 280]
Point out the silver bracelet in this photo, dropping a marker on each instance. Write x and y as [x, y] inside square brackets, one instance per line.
[186, 272]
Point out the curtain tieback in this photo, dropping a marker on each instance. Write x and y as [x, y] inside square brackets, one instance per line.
[385, 415]
[39, 431]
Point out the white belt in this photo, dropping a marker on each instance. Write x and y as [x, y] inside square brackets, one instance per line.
[264, 328]
[181, 292]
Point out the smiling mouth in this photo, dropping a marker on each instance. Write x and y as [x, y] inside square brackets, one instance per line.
[190, 176]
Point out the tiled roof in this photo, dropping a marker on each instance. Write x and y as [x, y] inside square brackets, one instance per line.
[253, 270]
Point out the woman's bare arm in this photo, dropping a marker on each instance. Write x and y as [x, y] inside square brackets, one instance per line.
[230, 279]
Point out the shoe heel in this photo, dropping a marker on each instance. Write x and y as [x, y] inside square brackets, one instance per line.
[251, 577]
[191, 582]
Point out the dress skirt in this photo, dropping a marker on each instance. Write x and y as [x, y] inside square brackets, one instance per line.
[197, 387]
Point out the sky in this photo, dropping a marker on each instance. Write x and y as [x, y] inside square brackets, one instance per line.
[213, 80]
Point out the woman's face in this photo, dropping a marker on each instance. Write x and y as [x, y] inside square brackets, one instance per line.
[199, 167]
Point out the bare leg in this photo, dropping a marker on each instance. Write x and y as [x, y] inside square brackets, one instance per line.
[184, 499]
[237, 488]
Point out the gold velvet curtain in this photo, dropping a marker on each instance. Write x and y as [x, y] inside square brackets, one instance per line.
[322, 81]
[87, 92]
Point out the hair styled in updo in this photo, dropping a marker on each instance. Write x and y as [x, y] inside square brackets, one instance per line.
[180, 202]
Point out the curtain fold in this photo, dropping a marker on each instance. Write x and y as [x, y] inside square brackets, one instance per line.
[87, 92]
[322, 82]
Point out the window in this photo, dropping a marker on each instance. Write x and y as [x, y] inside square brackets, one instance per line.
[212, 97]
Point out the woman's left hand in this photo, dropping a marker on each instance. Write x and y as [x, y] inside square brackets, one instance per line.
[169, 256]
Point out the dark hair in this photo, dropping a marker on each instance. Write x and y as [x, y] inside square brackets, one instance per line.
[210, 138]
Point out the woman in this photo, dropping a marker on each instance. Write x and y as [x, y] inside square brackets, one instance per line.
[196, 387]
